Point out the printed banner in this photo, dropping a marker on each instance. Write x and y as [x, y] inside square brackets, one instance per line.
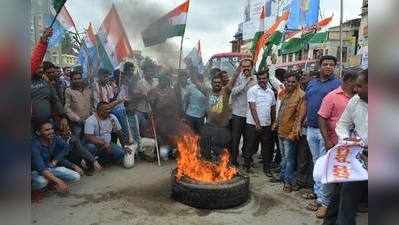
[341, 164]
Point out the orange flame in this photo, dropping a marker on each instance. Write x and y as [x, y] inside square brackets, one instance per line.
[190, 164]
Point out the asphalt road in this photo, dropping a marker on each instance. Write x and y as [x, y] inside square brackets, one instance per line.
[141, 195]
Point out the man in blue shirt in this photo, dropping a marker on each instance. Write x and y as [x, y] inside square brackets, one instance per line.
[316, 90]
[196, 102]
[48, 160]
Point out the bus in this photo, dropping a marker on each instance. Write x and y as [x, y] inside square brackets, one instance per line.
[225, 61]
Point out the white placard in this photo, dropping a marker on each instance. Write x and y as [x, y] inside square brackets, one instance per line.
[340, 165]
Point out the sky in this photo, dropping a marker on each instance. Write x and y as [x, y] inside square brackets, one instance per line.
[213, 22]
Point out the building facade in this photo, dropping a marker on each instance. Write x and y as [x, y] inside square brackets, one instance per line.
[350, 37]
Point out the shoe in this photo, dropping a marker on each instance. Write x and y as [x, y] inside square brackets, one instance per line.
[287, 188]
[296, 187]
[321, 212]
[313, 206]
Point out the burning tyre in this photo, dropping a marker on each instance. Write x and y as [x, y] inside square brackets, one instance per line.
[204, 184]
[222, 195]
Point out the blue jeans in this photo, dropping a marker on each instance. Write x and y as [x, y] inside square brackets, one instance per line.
[288, 160]
[65, 174]
[115, 155]
[134, 129]
[120, 113]
[317, 148]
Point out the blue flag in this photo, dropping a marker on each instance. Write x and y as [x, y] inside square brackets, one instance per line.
[303, 13]
[58, 31]
[88, 57]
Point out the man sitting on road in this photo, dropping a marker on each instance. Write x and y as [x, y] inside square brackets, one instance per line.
[48, 160]
[98, 129]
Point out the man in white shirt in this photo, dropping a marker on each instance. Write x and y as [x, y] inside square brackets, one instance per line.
[239, 108]
[260, 115]
[346, 197]
[98, 129]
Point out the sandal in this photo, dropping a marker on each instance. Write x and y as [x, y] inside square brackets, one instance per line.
[308, 196]
[313, 206]
[321, 212]
[287, 188]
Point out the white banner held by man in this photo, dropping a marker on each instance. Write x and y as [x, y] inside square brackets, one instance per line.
[339, 165]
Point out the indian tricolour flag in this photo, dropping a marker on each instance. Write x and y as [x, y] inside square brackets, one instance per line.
[273, 34]
[113, 43]
[63, 16]
[171, 25]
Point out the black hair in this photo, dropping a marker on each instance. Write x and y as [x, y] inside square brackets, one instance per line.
[213, 72]
[263, 71]
[365, 74]
[48, 65]
[74, 72]
[294, 74]
[218, 75]
[328, 57]
[37, 125]
[350, 74]
[280, 73]
[127, 66]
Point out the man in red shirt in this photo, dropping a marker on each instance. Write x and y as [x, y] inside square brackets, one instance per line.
[333, 106]
[39, 51]
[331, 109]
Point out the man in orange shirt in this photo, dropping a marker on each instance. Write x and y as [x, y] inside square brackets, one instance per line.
[289, 123]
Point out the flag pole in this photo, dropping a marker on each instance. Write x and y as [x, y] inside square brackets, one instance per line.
[182, 38]
[340, 38]
[181, 51]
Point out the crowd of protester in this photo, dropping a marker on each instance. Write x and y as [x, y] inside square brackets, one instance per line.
[78, 127]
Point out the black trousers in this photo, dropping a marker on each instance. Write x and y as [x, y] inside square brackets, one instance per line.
[254, 137]
[195, 123]
[343, 207]
[213, 141]
[277, 152]
[238, 127]
[78, 152]
[304, 163]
